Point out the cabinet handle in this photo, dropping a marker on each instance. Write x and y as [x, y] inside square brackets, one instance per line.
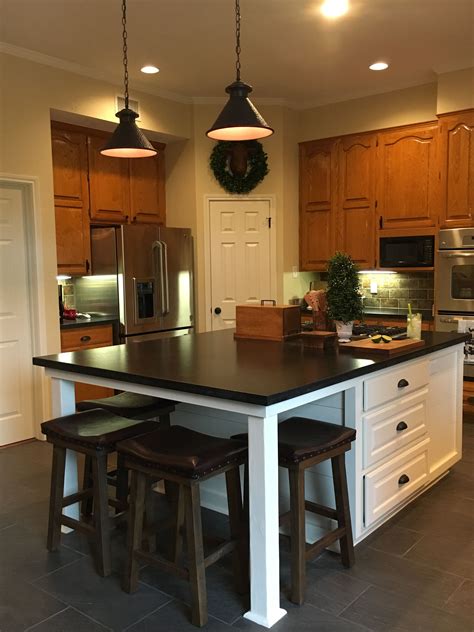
[85, 338]
[401, 426]
[381, 222]
[402, 383]
[403, 480]
[88, 266]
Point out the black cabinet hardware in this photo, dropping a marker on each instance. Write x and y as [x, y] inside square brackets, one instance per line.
[403, 480]
[402, 383]
[85, 338]
[401, 426]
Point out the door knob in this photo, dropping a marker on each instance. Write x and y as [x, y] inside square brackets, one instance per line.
[217, 310]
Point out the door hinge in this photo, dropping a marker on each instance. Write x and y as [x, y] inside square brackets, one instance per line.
[269, 220]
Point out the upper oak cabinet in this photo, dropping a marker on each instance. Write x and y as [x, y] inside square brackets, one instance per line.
[109, 184]
[408, 185]
[71, 201]
[318, 198]
[355, 226]
[457, 169]
[147, 189]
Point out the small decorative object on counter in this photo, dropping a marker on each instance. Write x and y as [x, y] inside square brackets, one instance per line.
[343, 294]
[316, 299]
[413, 324]
[267, 321]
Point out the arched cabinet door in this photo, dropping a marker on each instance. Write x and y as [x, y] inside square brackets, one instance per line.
[71, 200]
[408, 184]
[318, 199]
[457, 169]
[355, 225]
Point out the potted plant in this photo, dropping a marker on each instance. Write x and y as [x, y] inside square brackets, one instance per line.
[343, 293]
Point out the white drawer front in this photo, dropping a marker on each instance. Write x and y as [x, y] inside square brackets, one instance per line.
[394, 426]
[392, 483]
[394, 384]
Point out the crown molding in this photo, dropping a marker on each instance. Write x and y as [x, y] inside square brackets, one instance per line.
[222, 100]
[85, 71]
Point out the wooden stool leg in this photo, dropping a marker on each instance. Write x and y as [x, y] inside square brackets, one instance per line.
[87, 483]
[180, 511]
[101, 513]
[298, 535]
[165, 420]
[56, 498]
[343, 509]
[236, 520]
[135, 530]
[122, 485]
[197, 574]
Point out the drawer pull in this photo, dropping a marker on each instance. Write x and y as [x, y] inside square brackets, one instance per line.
[85, 338]
[401, 426]
[402, 383]
[403, 480]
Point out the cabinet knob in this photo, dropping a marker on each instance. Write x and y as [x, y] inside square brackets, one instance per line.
[85, 338]
[401, 426]
[403, 480]
[217, 310]
[402, 383]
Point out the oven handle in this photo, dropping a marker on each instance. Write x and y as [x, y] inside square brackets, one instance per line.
[451, 255]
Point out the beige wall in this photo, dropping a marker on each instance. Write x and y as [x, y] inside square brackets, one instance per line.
[456, 90]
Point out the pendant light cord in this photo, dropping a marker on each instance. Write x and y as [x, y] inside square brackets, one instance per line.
[125, 49]
[237, 38]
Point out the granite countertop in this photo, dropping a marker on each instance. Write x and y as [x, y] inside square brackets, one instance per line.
[88, 322]
[215, 364]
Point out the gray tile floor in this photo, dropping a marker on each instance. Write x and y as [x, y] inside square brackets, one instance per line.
[414, 574]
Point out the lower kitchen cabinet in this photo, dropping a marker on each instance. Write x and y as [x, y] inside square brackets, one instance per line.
[88, 337]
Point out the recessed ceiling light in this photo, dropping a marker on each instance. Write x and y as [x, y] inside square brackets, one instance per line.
[150, 70]
[334, 8]
[379, 65]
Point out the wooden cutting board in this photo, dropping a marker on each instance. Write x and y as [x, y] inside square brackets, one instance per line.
[366, 346]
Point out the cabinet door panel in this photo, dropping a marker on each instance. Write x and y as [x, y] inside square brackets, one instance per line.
[71, 200]
[408, 178]
[318, 180]
[109, 184]
[457, 169]
[147, 189]
[356, 206]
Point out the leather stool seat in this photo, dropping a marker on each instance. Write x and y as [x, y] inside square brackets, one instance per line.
[183, 451]
[300, 439]
[95, 428]
[130, 405]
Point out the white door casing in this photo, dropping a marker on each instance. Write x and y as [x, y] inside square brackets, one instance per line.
[16, 382]
[240, 256]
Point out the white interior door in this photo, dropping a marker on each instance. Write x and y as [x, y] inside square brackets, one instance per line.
[240, 256]
[16, 371]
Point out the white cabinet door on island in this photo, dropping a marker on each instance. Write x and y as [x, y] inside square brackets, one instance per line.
[225, 386]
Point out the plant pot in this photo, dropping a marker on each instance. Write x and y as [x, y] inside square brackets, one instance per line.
[344, 330]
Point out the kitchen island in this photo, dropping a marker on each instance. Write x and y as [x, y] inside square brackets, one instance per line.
[224, 384]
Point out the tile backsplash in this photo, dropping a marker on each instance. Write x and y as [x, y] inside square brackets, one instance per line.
[397, 290]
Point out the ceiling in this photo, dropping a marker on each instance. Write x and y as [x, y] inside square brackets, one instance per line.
[290, 51]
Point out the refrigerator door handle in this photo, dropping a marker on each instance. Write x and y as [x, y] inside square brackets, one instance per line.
[158, 246]
[166, 285]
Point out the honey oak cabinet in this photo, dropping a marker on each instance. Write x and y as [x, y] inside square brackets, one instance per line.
[147, 189]
[318, 199]
[355, 217]
[88, 337]
[457, 169]
[408, 182]
[71, 201]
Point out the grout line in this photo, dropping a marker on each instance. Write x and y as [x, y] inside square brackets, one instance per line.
[106, 627]
[360, 625]
[60, 568]
[149, 614]
[32, 627]
[413, 546]
[354, 600]
[455, 591]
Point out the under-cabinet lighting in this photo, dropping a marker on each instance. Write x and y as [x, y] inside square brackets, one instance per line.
[99, 277]
[378, 272]
[62, 277]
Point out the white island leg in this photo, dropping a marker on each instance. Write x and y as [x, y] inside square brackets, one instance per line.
[64, 403]
[264, 528]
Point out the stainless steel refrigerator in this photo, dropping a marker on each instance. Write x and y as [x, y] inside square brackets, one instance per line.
[154, 269]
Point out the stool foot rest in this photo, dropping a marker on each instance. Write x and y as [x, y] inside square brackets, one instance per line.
[321, 510]
[312, 550]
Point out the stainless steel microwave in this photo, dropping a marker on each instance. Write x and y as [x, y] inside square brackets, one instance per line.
[407, 252]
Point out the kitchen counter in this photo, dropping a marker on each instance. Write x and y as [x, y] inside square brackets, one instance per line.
[393, 312]
[88, 322]
[224, 386]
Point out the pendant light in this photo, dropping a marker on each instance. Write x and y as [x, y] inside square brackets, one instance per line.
[240, 119]
[128, 141]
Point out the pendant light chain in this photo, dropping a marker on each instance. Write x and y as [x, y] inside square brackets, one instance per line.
[125, 50]
[237, 38]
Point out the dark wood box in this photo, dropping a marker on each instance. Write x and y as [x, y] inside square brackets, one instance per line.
[268, 322]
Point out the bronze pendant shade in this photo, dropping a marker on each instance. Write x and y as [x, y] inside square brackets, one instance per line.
[127, 141]
[240, 119]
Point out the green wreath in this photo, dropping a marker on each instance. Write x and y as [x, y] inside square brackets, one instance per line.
[257, 167]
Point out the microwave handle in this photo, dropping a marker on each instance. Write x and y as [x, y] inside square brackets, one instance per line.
[452, 255]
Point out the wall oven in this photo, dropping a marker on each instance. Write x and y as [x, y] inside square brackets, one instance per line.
[455, 272]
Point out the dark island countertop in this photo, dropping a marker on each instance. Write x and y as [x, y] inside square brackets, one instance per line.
[214, 364]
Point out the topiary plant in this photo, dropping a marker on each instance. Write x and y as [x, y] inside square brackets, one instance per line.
[343, 291]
